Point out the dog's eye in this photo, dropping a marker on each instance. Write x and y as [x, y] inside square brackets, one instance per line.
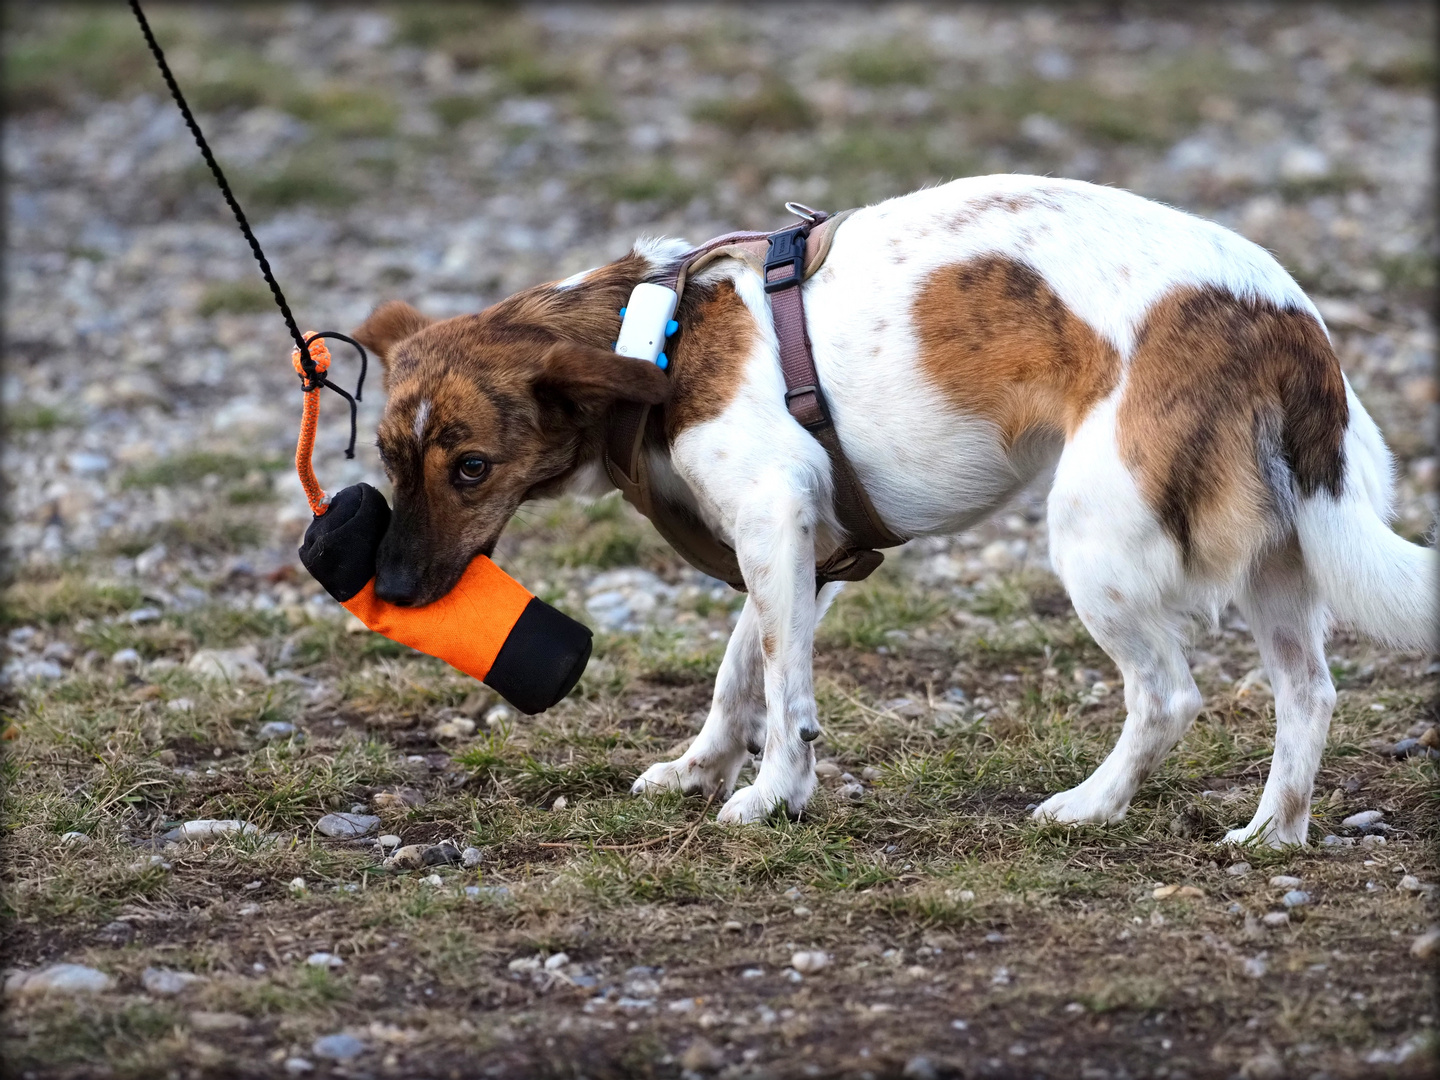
[471, 469]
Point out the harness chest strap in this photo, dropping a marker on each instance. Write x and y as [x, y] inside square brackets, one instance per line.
[783, 259]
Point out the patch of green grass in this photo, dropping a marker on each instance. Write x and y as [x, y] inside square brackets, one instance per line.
[234, 298]
[775, 106]
[26, 416]
[1415, 71]
[452, 110]
[63, 600]
[304, 181]
[345, 112]
[898, 62]
[1412, 272]
[869, 160]
[182, 470]
[52, 55]
[658, 181]
[864, 613]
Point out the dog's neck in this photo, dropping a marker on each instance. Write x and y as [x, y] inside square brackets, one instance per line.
[586, 308]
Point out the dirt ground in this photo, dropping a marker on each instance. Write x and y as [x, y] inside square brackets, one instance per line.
[170, 662]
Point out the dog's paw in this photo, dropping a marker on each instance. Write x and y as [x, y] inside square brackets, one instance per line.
[748, 805]
[1263, 832]
[686, 774]
[1079, 807]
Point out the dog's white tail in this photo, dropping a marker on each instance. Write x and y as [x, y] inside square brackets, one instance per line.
[1374, 581]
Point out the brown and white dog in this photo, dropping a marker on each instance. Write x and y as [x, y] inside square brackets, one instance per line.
[1206, 446]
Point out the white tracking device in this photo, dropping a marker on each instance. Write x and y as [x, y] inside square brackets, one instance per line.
[646, 321]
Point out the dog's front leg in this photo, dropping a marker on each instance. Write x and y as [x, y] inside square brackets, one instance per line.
[775, 540]
[734, 728]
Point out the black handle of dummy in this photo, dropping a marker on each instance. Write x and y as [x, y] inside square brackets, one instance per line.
[545, 652]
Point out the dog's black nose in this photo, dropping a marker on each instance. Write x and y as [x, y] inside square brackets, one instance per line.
[399, 585]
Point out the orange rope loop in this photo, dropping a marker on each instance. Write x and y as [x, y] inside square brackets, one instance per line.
[309, 419]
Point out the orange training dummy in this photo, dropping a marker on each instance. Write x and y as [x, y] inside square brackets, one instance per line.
[489, 626]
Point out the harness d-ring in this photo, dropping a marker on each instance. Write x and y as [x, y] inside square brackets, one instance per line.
[313, 366]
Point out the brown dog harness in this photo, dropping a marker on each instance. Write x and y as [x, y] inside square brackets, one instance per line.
[784, 259]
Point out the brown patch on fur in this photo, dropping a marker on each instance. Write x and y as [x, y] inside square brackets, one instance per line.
[1000, 344]
[1230, 406]
[1293, 808]
[525, 385]
[707, 365]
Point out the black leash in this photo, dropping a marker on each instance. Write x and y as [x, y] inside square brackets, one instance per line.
[310, 379]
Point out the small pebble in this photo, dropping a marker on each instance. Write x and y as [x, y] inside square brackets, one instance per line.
[1239, 869]
[434, 880]
[458, 727]
[389, 840]
[324, 960]
[74, 838]
[870, 774]
[298, 1066]
[1410, 883]
[1255, 967]
[341, 1047]
[524, 963]
[210, 829]
[1276, 919]
[1426, 945]
[1285, 881]
[347, 826]
[166, 983]
[58, 979]
[446, 854]
[399, 799]
[1295, 898]
[800, 910]
[731, 926]
[470, 857]
[852, 792]
[557, 961]
[827, 770]
[1363, 818]
[297, 885]
[807, 963]
[409, 857]
[125, 659]
[204, 1020]
[752, 973]
[499, 714]
[701, 1056]
[275, 730]
[919, 1067]
[560, 803]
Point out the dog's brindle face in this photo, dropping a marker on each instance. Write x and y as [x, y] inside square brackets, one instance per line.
[483, 412]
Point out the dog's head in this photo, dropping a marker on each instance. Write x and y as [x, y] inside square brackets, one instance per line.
[484, 412]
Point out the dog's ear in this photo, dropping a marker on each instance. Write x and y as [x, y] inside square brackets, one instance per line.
[389, 324]
[593, 379]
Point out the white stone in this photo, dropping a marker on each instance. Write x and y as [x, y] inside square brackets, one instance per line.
[341, 1047]
[229, 665]
[497, 715]
[210, 829]
[167, 983]
[809, 962]
[1276, 919]
[347, 826]
[557, 961]
[58, 979]
[1285, 881]
[457, 727]
[324, 960]
[470, 857]
[1363, 818]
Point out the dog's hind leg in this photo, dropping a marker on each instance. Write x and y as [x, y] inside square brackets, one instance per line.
[1288, 622]
[1123, 575]
[734, 728]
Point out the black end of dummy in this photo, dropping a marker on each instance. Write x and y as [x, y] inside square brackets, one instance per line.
[340, 545]
[541, 660]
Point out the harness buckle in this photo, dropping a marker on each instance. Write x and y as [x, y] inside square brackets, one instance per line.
[821, 412]
[786, 249]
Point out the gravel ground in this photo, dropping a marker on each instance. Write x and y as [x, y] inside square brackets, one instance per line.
[447, 156]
